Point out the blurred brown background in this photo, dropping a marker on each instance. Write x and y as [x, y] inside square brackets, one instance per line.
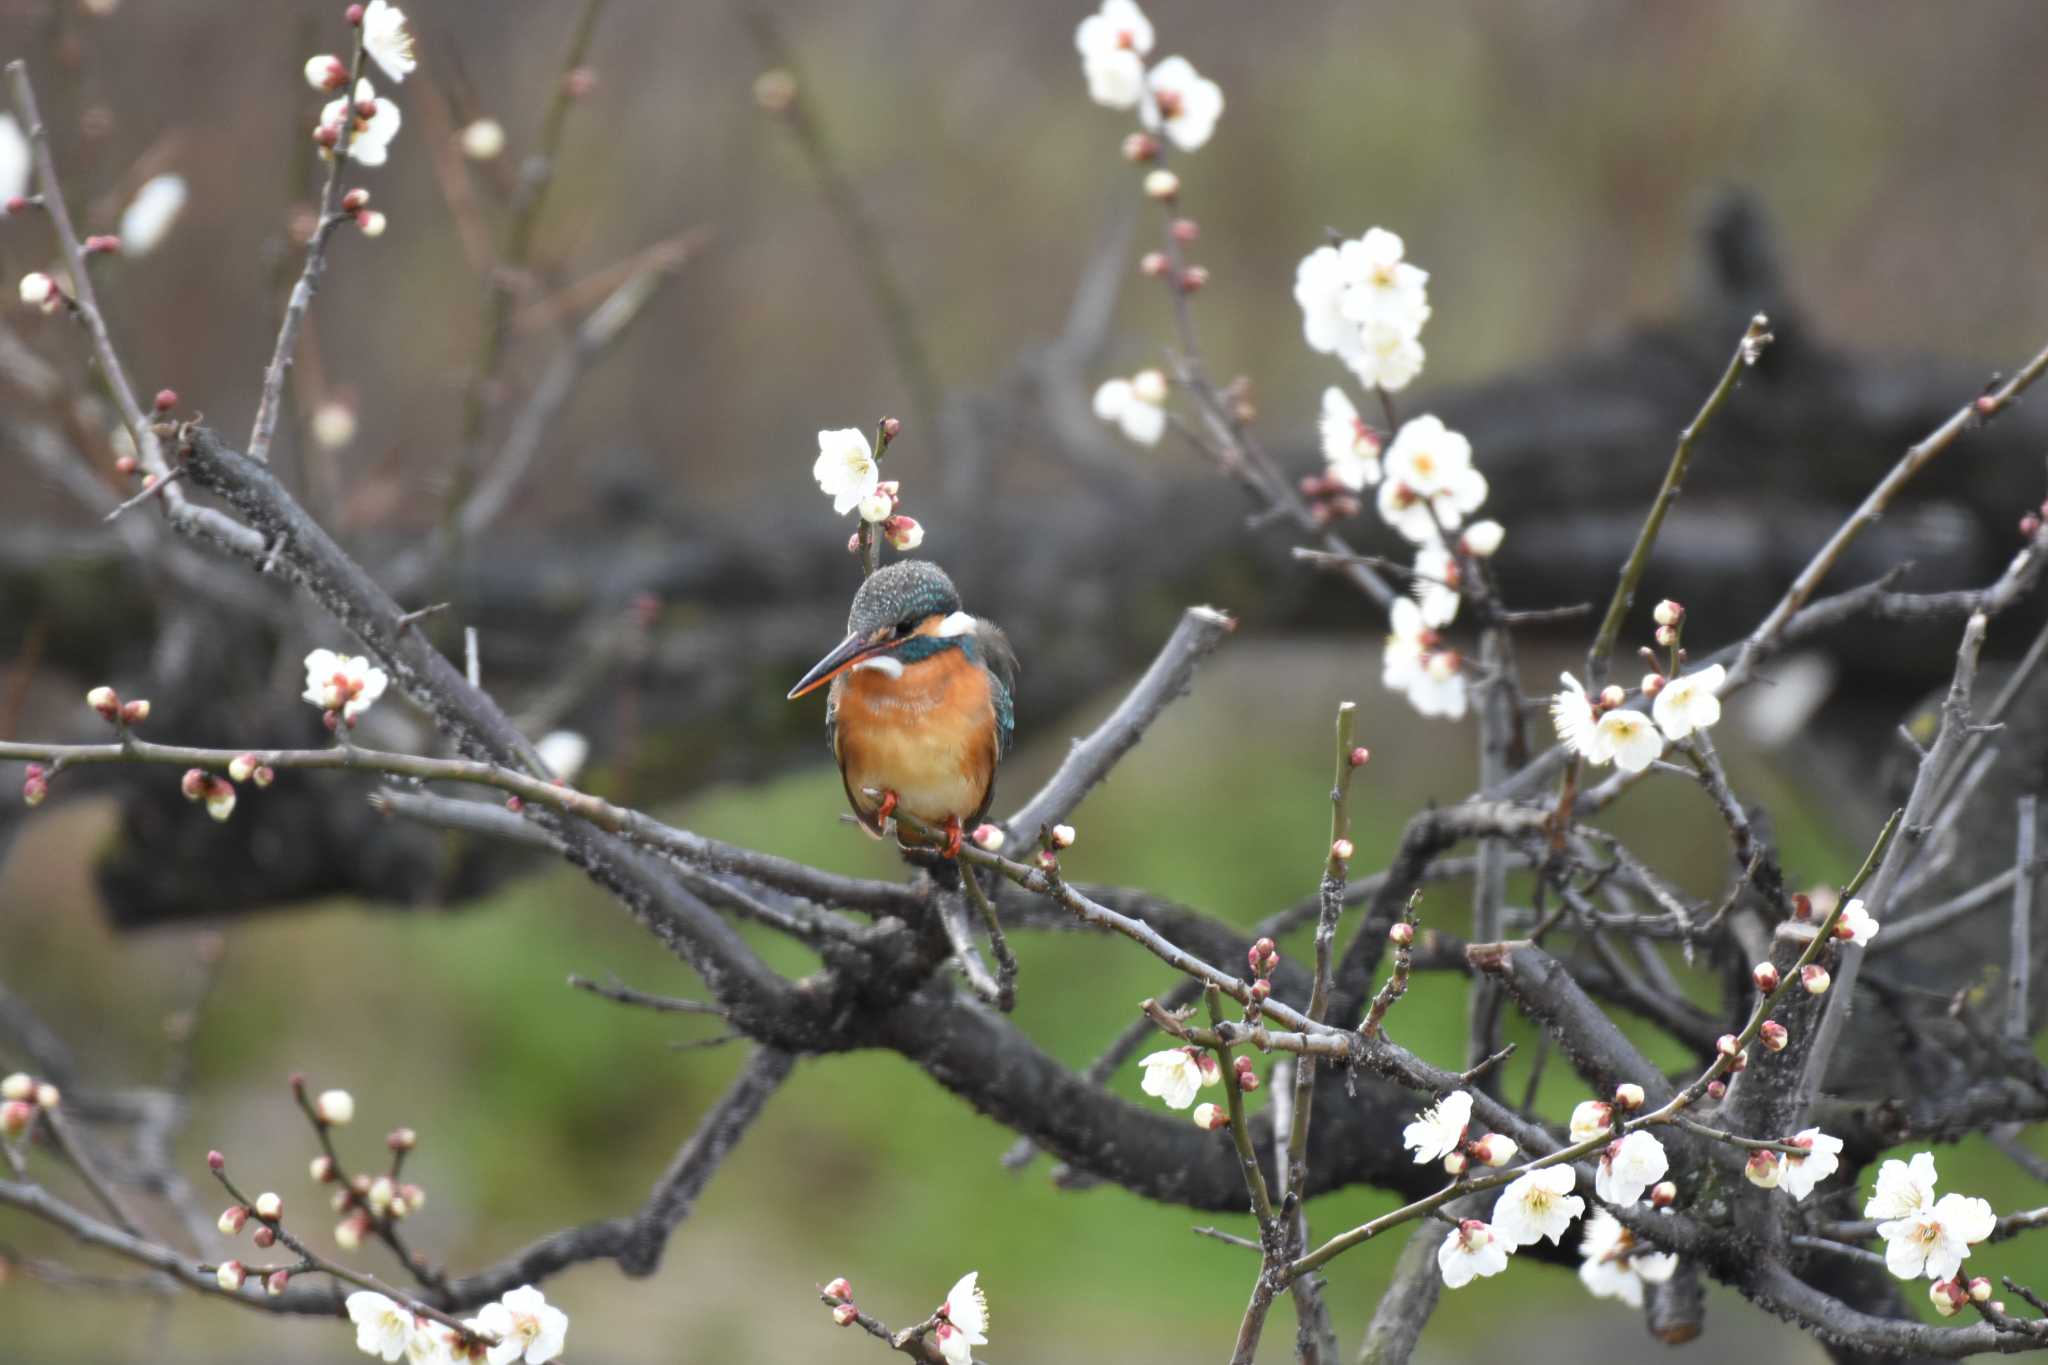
[1550, 164]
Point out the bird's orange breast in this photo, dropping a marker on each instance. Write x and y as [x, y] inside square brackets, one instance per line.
[929, 736]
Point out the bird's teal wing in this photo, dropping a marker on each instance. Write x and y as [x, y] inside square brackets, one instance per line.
[993, 652]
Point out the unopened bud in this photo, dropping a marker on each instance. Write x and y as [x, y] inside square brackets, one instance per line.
[839, 1289]
[269, 1206]
[135, 712]
[1193, 278]
[1727, 1046]
[1590, 1118]
[321, 1169]
[1663, 1194]
[1210, 1117]
[1667, 636]
[17, 203]
[1260, 989]
[231, 1276]
[355, 201]
[348, 1234]
[1247, 1080]
[354, 15]
[35, 789]
[1359, 756]
[1773, 1036]
[1717, 1089]
[990, 837]
[215, 1162]
[105, 701]
[372, 223]
[1667, 613]
[1342, 849]
[1062, 836]
[1628, 1095]
[15, 1117]
[905, 533]
[334, 1107]
[1815, 978]
[18, 1086]
[1653, 683]
[2029, 524]
[231, 1219]
[1948, 1297]
[1763, 1170]
[242, 767]
[401, 1139]
[845, 1314]
[264, 775]
[1401, 933]
[327, 135]
[1495, 1149]
[1140, 147]
[1456, 1163]
[1161, 184]
[1765, 975]
[892, 427]
[1154, 264]
[220, 798]
[1980, 1290]
[382, 1191]
[263, 1237]
[326, 73]
[48, 1096]
[483, 139]
[125, 466]
[102, 244]
[1612, 696]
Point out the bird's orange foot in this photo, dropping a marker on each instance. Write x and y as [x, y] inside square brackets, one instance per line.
[953, 836]
[887, 808]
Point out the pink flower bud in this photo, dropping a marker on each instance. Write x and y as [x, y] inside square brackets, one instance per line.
[579, 83]
[48, 1096]
[839, 1289]
[1763, 1170]
[269, 1207]
[354, 15]
[264, 775]
[241, 767]
[326, 73]
[1140, 147]
[34, 791]
[372, 223]
[1154, 264]
[327, 135]
[135, 712]
[1948, 1297]
[1717, 1089]
[1401, 934]
[102, 244]
[348, 1234]
[1766, 977]
[1456, 1163]
[1193, 278]
[232, 1219]
[412, 1194]
[1062, 836]
[17, 203]
[216, 1163]
[401, 1139]
[905, 533]
[220, 798]
[1048, 860]
[1653, 683]
[125, 466]
[15, 1117]
[990, 837]
[274, 1283]
[1667, 613]
[1612, 696]
[1359, 757]
[1342, 849]
[1667, 636]
[1210, 1117]
[1980, 1290]
[1161, 184]
[514, 804]
[1773, 1036]
[1815, 978]
[1628, 1095]
[263, 1237]
[335, 1107]
[1260, 989]
[18, 1086]
[105, 701]
[1663, 1194]
[355, 201]
[845, 1314]
[321, 1169]
[231, 1276]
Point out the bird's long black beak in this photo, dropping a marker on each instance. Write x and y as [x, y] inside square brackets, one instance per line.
[844, 655]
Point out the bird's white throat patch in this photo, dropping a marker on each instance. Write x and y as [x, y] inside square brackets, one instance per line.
[959, 623]
[882, 664]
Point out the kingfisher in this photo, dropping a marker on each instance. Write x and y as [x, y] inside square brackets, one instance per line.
[920, 708]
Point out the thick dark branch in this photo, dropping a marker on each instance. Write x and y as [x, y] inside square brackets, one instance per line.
[1597, 1050]
[1773, 1287]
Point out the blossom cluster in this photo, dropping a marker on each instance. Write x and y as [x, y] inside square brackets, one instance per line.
[849, 470]
[958, 1326]
[1364, 302]
[523, 1325]
[361, 118]
[1172, 98]
[1924, 1235]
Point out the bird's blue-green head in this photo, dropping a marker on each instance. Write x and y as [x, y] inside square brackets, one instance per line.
[887, 614]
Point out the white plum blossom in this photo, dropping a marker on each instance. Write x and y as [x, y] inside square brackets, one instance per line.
[1382, 289]
[1432, 678]
[1924, 1235]
[386, 40]
[1537, 1205]
[1799, 1174]
[1182, 102]
[527, 1326]
[1571, 712]
[1472, 1250]
[1436, 584]
[1350, 448]
[1137, 405]
[1630, 739]
[346, 683]
[150, 214]
[370, 142]
[1319, 289]
[564, 752]
[1430, 483]
[1689, 703]
[1628, 1167]
[1855, 924]
[1178, 1074]
[429, 1344]
[1611, 1268]
[382, 1326]
[963, 1320]
[1113, 43]
[1385, 358]
[1440, 1129]
[16, 160]
[845, 468]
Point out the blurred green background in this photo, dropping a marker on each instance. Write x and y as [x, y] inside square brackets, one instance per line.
[1545, 162]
